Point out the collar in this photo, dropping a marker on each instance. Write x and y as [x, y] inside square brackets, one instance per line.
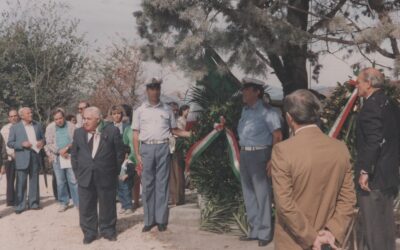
[159, 104]
[26, 124]
[375, 91]
[305, 127]
[99, 128]
[254, 106]
[63, 126]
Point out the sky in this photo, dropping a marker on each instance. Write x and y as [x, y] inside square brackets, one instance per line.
[104, 21]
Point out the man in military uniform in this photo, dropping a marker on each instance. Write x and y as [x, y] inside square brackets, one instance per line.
[152, 124]
[258, 129]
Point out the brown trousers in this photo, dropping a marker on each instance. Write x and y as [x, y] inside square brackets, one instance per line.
[177, 180]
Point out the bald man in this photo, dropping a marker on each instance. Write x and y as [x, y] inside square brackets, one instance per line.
[97, 154]
[377, 164]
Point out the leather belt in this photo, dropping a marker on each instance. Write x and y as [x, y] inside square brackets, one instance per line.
[156, 141]
[254, 148]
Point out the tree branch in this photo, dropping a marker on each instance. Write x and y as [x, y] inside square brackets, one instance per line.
[328, 16]
[349, 42]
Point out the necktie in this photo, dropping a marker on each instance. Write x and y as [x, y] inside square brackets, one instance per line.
[90, 143]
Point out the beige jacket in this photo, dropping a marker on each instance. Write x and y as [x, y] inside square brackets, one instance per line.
[51, 148]
[313, 189]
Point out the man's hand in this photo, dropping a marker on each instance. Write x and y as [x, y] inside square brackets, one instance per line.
[139, 169]
[324, 237]
[40, 144]
[63, 152]
[3, 170]
[139, 165]
[26, 144]
[363, 181]
[139, 159]
[269, 168]
[66, 156]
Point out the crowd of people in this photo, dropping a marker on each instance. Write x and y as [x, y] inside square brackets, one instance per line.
[308, 176]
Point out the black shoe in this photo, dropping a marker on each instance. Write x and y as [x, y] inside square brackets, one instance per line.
[10, 204]
[18, 211]
[88, 240]
[162, 227]
[36, 208]
[148, 228]
[263, 243]
[110, 237]
[245, 238]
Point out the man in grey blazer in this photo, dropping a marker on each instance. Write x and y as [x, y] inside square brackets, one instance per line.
[26, 138]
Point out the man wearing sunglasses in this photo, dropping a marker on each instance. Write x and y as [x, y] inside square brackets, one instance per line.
[81, 107]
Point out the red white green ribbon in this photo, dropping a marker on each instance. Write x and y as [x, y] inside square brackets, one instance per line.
[199, 147]
[340, 120]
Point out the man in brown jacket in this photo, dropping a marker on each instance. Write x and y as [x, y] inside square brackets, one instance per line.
[312, 181]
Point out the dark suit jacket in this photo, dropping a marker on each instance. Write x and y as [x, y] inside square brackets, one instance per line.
[106, 164]
[378, 141]
[15, 139]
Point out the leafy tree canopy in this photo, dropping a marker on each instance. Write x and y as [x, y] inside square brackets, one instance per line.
[261, 36]
[42, 57]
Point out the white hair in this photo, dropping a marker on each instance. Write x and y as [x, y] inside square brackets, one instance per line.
[21, 110]
[93, 110]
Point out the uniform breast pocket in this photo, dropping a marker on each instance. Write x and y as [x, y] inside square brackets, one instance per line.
[164, 118]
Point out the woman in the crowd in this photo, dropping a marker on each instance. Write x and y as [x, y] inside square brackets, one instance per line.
[177, 177]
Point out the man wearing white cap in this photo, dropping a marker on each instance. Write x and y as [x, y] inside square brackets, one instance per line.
[258, 129]
[152, 124]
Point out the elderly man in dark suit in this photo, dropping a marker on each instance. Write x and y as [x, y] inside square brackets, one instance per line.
[26, 138]
[377, 165]
[97, 155]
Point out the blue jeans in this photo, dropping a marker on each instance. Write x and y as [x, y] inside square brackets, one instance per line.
[125, 193]
[65, 177]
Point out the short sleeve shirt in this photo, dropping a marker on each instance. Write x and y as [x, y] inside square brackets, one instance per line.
[256, 125]
[153, 122]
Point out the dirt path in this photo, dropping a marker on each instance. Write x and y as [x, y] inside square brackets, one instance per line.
[48, 229]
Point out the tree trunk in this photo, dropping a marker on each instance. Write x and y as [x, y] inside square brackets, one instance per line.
[291, 67]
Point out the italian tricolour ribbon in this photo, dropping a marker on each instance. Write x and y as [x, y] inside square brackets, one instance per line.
[340, 120]
[199, 147]
[233, 149]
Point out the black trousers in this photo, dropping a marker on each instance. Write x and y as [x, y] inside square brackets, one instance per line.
[377, 220]
[105, 219]
[10, 175]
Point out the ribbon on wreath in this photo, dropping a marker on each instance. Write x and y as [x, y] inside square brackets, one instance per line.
[340, 120]
[233, 149]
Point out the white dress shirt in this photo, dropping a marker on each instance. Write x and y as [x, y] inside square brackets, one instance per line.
[30, 132]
